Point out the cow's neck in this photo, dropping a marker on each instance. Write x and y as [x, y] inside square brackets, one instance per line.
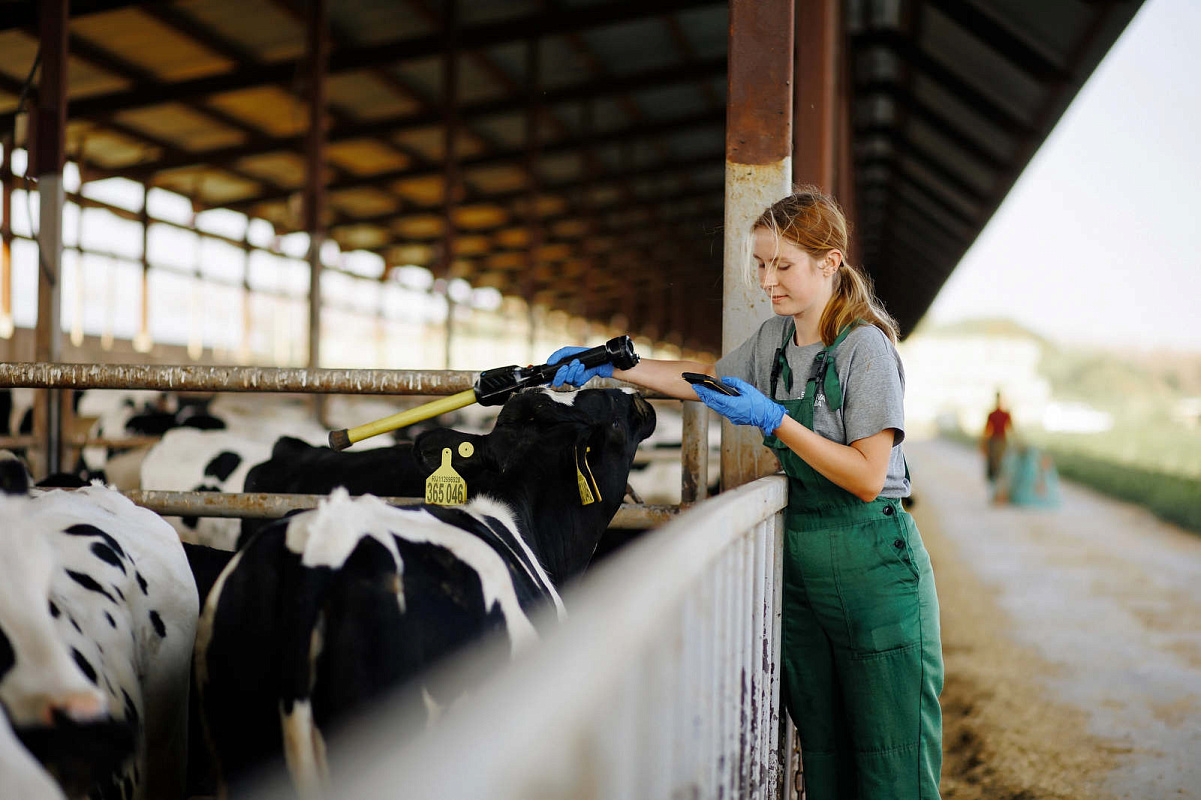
[561, 532]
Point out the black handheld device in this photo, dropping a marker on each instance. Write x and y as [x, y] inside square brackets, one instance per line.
[709, 382]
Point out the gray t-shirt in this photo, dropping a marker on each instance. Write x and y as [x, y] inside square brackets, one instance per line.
[873, 387]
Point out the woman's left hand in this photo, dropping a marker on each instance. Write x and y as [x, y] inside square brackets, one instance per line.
[750, 407]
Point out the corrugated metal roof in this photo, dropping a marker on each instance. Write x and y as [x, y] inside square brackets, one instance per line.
[950, 98]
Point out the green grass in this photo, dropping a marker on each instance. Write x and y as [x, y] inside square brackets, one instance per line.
[1171, 497]
[1123, 466]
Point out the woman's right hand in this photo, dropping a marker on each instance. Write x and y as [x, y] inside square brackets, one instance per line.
[575, 373]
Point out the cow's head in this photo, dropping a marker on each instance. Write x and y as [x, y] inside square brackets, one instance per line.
[53, 706]
[561, 459]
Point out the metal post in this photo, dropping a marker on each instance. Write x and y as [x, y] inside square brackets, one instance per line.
[815, 72]
[694, 478]
[317, 52]
[49, 156]
[450, 165]
[529, 283]
[844, 180]
[758, 172]
[450, 325]
[142, 342]
[246, 355]
[7, 324]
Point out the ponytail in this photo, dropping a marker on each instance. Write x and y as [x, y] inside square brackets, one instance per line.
[854, 301]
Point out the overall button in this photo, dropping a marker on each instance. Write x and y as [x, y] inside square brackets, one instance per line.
[898, 544]
[888, 511]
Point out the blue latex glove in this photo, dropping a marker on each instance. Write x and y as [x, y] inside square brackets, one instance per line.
[576, 373]
[751, 407]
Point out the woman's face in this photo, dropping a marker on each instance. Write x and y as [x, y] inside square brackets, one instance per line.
[797, 283]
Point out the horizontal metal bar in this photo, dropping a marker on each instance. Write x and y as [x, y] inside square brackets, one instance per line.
[253, 505]
[116, 443]
[196, 378]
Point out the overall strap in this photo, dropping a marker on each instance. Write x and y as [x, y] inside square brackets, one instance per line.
[780, 365]
[822, 375]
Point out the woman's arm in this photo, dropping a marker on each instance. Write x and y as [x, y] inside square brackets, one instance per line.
[859, 467]
[664, 376]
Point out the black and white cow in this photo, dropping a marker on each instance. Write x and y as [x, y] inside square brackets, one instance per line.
[97, 621]
[321, 612]
[297, 467]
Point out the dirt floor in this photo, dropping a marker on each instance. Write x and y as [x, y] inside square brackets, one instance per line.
[1071, 641]
[1004, 736]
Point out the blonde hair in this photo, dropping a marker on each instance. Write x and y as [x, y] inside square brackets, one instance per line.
[814, 222]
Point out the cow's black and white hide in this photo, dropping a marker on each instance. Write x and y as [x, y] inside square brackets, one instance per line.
[22, 777]
[297, 467]
[97, 620]
[16, 412]
[323, 611]
[188, 460]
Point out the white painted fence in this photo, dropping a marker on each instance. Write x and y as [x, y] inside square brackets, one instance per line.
[662, 683]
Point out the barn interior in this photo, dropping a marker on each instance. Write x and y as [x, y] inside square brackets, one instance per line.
[571, 157]
[567, 153]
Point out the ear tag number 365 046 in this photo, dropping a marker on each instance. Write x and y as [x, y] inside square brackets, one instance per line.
[445, 487]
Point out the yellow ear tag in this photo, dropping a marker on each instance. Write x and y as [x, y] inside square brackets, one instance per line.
[445, 487]
[589, 491]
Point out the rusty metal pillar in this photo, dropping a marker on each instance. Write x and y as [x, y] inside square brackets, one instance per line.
[317, 57]
[7, 323]
[246, 354]
[529, 282]
[844, 173]
[49, 156]
[816, 100]
[450, 166]
[758, 172]
[142, 341]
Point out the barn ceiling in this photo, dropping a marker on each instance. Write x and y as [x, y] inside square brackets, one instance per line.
[590, 175]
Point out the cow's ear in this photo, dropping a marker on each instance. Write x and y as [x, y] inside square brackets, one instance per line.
[465, 448]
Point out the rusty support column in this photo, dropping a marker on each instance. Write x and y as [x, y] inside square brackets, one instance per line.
[450, 166]
[529, 283]
[844, 173]
[142, 342]
[317, 53]
[7, 323]
[49, 154]
[758, 172]
[592, 278]
[246, 355]
[815, 79]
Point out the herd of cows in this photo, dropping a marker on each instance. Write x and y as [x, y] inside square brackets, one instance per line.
[142, 657]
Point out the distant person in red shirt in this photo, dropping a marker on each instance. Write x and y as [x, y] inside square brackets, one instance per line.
[993, 443]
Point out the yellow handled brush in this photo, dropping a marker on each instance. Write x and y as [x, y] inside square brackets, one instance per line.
[492, 388]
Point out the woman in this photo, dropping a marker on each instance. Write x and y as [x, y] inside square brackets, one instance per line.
[822, 379]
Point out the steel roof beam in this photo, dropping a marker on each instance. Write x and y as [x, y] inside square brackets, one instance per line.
[1012, 48]
[964, 92]
[511, 156]
[929, 161]
[547, 23]
[25, 14]
[944, 126]
[261, 144]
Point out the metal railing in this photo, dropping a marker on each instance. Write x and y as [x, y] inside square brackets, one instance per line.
[198, 378]
[662, 682]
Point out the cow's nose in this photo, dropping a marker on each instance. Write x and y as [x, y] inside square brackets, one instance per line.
[75, 706]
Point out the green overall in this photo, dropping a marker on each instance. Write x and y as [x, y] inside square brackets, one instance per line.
[862, 656]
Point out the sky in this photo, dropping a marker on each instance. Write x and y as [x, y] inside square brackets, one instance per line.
[1099, 242]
